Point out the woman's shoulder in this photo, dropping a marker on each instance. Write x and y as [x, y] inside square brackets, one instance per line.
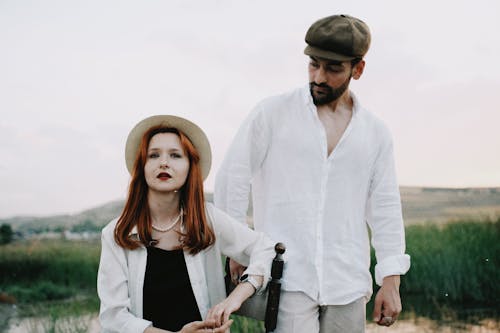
[109, 229]
[209, 206]
[215, 214]
[220, 221]
[210, 210]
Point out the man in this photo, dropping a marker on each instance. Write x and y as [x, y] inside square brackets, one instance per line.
[321, 169]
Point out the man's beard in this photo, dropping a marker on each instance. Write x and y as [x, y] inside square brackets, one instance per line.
[330, 94]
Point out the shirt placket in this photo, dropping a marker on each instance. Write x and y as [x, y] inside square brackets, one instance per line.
[323, 181]
[319, 262]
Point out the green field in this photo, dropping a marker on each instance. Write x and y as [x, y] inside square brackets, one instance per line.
[454, 265]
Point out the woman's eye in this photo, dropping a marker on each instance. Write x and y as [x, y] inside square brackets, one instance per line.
[175, 155]
[153, 155]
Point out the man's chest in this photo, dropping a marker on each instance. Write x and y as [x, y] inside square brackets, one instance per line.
[334, 125]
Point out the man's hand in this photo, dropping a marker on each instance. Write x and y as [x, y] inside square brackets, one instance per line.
[236, 270]
[387, 302]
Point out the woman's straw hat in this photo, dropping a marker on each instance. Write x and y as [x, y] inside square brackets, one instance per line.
[191, 130]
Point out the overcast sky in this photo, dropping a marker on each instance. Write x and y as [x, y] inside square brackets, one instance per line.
[76, 76]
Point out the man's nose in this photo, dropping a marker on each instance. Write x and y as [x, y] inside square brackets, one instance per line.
[320, 76]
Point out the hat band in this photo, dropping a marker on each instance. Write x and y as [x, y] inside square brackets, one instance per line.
[325, 54]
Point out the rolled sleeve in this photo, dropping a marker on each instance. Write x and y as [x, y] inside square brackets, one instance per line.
[394, 265]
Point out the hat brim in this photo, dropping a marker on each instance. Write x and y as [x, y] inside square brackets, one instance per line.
[324, 54]
[194, 133]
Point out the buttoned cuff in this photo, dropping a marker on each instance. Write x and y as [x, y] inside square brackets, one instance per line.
[394, 265]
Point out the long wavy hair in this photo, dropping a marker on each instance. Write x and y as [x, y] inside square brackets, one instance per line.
[198, 234]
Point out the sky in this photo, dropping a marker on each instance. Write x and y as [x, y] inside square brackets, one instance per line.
[76, 76]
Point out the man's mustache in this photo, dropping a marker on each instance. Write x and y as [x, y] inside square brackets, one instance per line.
[321, 85]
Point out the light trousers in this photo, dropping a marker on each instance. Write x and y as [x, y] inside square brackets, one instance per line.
[298, 313]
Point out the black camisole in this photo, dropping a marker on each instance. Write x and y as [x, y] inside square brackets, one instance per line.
[168, 299]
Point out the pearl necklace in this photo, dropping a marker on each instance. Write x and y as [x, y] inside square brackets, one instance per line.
[179, 217]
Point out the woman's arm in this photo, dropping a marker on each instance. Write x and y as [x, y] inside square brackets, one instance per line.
[220, 313]
[251, 248]
[248, 247]
[112, 288]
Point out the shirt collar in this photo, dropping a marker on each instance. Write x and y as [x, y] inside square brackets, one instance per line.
[356, 106]
[306, 95]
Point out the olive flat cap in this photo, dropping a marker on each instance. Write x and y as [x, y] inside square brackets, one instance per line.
[338, 37]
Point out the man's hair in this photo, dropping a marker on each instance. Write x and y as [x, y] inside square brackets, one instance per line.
[355, 61]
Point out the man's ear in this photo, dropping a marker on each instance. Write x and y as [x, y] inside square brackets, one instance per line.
[358, 69]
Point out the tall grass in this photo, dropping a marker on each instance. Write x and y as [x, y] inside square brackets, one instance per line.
[48, 269]
[457, 262]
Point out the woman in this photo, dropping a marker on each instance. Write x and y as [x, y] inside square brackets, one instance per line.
[160, 268]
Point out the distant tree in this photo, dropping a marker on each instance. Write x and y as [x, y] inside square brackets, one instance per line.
[59, 228]
[86, 225]
[6, 234]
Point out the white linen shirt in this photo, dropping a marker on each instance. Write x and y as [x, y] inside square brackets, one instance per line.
[318, 205]
[120, 278]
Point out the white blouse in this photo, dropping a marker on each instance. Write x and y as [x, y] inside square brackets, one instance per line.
[121, 272]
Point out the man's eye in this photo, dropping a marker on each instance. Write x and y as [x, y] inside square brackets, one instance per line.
[313, 64]
[335, 69]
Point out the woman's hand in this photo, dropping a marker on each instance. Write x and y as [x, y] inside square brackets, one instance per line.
[206, 326]
[220, 313]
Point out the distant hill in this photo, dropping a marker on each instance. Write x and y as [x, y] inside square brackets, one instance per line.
[420, 204]
[98, 216]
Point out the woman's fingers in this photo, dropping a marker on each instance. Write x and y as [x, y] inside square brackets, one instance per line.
[206, 326]
[196, 327]
[224, 327]
[217, 315]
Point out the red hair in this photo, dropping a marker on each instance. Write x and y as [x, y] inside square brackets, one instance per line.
[198, 233]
